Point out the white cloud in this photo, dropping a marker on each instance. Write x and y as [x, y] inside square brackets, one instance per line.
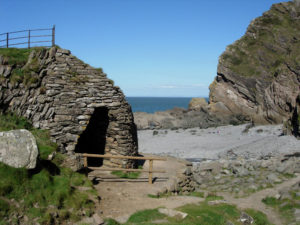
[182, 86]
[168, 86]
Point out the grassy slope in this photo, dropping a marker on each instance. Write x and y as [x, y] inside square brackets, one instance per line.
[202, 214]
[270, 41]
[42, 193]
[17, 58]
[285, 207]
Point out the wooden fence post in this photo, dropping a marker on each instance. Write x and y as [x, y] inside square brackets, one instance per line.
[28, 38]
[7, 40]
[150, 170]
[85, 164]
[53, 36]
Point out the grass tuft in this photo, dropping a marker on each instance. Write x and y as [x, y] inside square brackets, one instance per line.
[145, 216]
[45, 191]
[128, 175]
[15, 56]
[259, 217]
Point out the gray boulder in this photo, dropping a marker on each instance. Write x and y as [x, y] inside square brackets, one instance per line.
[18, 149]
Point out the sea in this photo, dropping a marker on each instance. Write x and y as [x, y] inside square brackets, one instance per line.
[154, 104]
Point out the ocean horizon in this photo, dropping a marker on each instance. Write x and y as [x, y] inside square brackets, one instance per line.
[154, 104]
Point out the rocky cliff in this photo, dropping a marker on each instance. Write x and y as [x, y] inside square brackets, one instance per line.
[80, 106]
[259, 75]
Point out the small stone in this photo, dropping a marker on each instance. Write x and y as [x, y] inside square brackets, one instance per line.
[51, 156]
[246, 219]
[253, 187]
[277, 196]
[297, 215]
[97, 219]
[188, 171]
[83, 188]
[273, 178]
[225, 171]
[173, 213]
[216, 202]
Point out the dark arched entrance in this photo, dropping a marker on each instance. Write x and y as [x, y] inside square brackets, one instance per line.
[93, 139]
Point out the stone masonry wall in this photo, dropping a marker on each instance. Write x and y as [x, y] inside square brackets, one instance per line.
[63, 96]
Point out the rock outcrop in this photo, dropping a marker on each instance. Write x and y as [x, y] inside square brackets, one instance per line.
[18, 149]
[80, 106]
[197, 104]
[259, 75]
[180, 118]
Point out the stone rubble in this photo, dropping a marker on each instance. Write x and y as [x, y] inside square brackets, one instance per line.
[244, 176]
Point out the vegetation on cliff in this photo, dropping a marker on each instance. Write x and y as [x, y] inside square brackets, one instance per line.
[270, 41]
[259, 74]
[48, 194]
[23, 63]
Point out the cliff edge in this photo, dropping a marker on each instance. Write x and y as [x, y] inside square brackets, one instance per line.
[259, 75]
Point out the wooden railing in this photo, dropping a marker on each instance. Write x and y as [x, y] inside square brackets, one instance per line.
[150, 171]
[28, 38]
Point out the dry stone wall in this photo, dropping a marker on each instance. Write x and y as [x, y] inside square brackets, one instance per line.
[77, 103]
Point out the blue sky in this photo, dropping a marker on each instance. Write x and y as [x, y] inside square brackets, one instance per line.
[148, 47]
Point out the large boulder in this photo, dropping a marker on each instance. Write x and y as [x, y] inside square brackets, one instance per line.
[197, 103]
[18, 149]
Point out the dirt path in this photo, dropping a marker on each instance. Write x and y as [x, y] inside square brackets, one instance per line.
[122, 197]
[254, 200]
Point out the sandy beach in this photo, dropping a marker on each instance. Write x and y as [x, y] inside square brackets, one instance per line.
[215, 143]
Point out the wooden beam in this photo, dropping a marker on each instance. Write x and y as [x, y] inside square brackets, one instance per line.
[126, 170]
[121, 157]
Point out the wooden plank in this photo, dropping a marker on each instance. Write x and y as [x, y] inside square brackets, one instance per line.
[126, 170]
[122, 157]
[150, 171]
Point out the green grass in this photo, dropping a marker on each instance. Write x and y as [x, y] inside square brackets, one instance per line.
[201, 214]
[47, 185]
[271, 201]
[259, 217]
[128, 175]
[166, 195]
[196, 194]
[212, 197]
[10, 121]
[145, 216]
[285, 207]
[261, 56]
[111, 222]
[155, 196]
[15, 56]
[205, 214]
